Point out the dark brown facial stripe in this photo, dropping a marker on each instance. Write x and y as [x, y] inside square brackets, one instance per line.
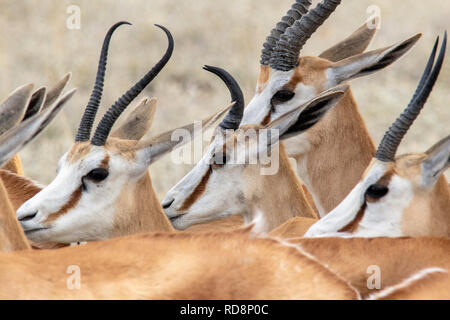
[266, 119]
[353, 225]
[105, 162]
[201, 187]
[73, 201]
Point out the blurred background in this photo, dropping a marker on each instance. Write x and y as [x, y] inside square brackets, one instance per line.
[36, 46]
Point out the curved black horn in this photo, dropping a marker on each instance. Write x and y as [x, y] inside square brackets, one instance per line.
[84, 130]
[391, 140]
[298, 9]
[113, 113]
[285, 54]
[234, 116]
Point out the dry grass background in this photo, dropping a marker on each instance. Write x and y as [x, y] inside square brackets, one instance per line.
[36, 46]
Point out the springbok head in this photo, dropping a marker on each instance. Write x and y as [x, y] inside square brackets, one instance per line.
[99, 179]
[403, 196]
[231, 173]
[288, 80]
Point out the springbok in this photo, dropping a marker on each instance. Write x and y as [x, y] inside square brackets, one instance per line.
[103, 188]
[234, 184]
[12, 139]
[404, 196]
[332, 155]
[391, 260]
[147, 266]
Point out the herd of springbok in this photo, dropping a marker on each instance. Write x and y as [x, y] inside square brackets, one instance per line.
[226, 230]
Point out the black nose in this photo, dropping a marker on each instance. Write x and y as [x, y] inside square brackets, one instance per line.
[28, 217]
[167, 204]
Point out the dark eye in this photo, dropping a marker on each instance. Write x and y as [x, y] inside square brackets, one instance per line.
[283, 96]
[220, 158]
[98, 174]
[377, 191]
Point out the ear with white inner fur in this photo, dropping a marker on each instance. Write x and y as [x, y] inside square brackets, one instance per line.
[354, 44]
[138, 122]
[369, 62]
[307, 115]
[438, 160]
[153, 148]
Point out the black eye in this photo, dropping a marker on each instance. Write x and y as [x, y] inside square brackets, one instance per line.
[98, 174]
[219, 158]
[283, 96]
[377, 191]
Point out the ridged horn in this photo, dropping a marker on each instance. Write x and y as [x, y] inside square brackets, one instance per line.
[113, 113]
[234, 116]
[297, 10]
[389, 144]
[84, 130]
[285, 54]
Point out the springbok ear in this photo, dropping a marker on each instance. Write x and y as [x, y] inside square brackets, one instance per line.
[138, 122]
[13, 108]
[354, 44]
[54, 92]
[307, 115]
[438, 160]
[14, 139]
[152, 149]
[36, 102]
[369, 62]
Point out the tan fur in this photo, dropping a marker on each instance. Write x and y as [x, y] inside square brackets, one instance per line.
[172, 266]
[293, 228]
[397, 258]
[331, 158]
[138, 210]
[278, 197]
[12, 237]
[14, 165]
[263, 77]
[310, 72]
[433, 286]
[428, 214]
[19, 188]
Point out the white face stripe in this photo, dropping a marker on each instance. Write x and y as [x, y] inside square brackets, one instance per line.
[348, 209]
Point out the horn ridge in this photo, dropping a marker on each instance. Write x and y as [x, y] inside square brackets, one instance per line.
[234, 116]
[85, 127]
[285, 54]
[393, 137]
[297, 10]
[113, 113]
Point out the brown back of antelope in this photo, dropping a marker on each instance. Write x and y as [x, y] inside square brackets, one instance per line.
[172, 266]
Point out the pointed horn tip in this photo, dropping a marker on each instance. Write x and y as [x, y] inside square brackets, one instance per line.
[123, 22]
